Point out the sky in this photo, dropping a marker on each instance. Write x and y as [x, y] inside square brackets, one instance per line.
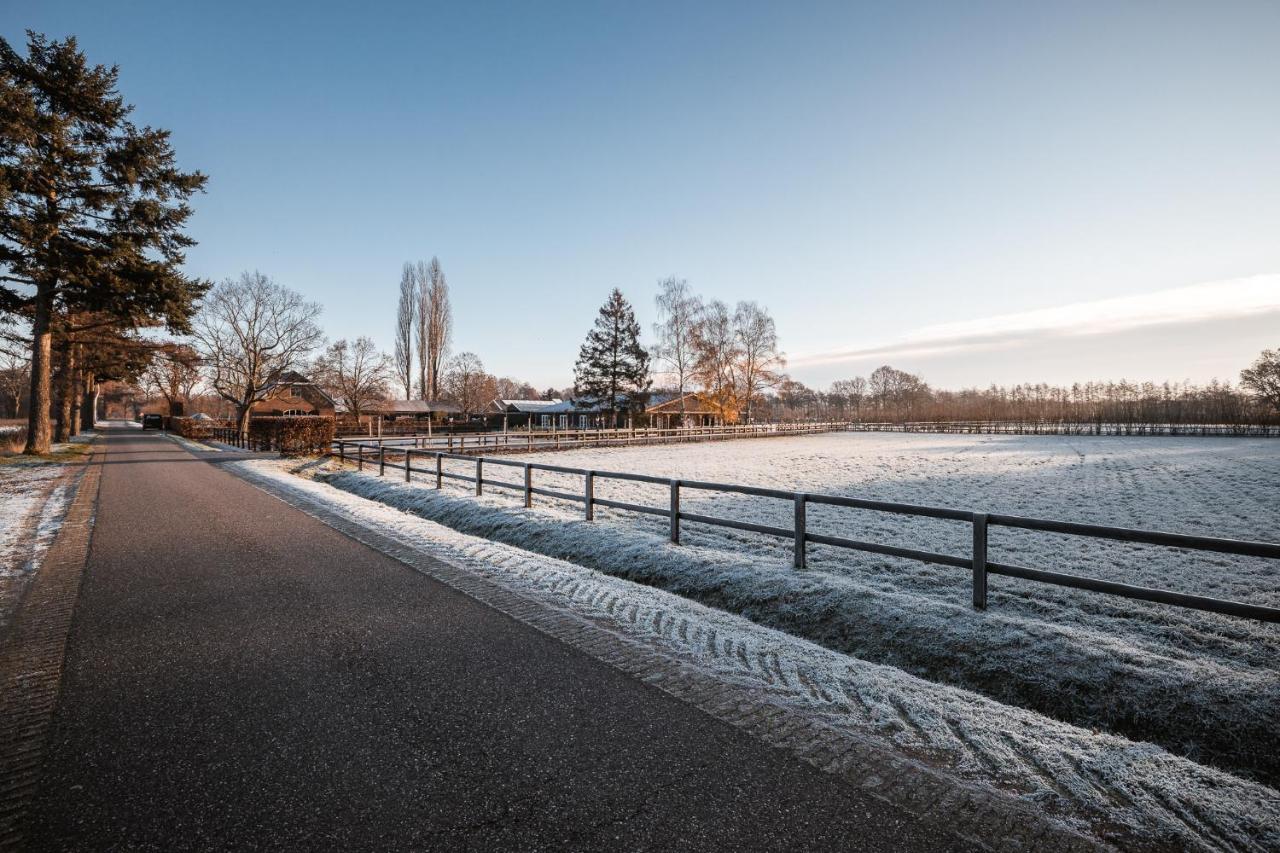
[978, 192]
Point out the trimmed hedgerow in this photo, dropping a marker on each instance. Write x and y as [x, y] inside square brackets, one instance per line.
[196, 430]
[293, 435]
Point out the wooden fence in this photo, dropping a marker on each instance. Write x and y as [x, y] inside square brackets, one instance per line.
[1073, 428]
[525, 441]
[977, 562]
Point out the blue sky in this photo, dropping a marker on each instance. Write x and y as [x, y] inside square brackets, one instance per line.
[872, 173]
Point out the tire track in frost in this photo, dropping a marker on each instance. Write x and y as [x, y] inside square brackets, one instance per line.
[927, 730]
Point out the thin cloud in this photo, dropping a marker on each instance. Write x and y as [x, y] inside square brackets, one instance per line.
[1217, 300]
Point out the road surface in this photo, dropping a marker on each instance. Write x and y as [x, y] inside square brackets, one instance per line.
[240, 675]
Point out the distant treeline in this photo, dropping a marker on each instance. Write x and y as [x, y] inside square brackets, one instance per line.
[889, 395]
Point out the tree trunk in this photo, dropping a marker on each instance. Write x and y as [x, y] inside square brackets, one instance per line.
[89, 403]
[38, 428]
[77, 397]
[242, 421]
[66, 395]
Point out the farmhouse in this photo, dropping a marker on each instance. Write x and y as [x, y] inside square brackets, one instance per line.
[690, 410]
[294, 394]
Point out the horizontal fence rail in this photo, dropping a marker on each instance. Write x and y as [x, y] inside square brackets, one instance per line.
[524, 440]
[1099, 428]
[978, 562]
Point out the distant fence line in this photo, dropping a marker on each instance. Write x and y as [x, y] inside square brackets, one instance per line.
[526, 441]
[978, 563]
[1073, 428]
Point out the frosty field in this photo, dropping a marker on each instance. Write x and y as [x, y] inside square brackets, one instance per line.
[1201, 685]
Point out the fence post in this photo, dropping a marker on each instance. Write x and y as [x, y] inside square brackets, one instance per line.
[589, 494]
[801, 500]
[342, 451]
[408, 462]
[479, 475]
[439, 471]
[980, 560]
[361, 464]
[528, 485]
[382, 460]
[675, 511]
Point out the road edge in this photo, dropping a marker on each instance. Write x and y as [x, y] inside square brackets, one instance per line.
[31, 660]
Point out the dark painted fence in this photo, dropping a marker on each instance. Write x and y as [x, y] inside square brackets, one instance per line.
[977, 562]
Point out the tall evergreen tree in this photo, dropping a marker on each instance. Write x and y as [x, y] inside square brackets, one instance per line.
[611, 361]
[92, 208]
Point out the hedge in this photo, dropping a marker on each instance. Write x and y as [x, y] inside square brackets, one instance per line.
[295, 435]
[196, 430]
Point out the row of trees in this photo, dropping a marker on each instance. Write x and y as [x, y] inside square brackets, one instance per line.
[92, 241]
[424, 327]
[731, 356]
[892, 395]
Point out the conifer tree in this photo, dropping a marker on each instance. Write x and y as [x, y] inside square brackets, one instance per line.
[611, 361]
[92, 209]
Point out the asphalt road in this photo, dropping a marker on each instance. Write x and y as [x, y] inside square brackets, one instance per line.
[241, 676]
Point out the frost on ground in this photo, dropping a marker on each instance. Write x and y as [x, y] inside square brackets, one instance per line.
[1202, 685]
[1094, 780]
[33, 503]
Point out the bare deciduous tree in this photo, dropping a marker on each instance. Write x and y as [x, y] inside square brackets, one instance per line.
[716, 358]
[759, 362]
[850, 392]
[679, 312]
[15, 377]
[439, 325]
[506, 388]
[250, 331]
[467, 384]
[355, 374]
[1263, 377]
[433, 325]
[173, 373]
[406, 314]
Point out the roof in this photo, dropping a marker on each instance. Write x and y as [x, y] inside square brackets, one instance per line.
[412, 407]
[526, 406]
[694, 404]
[293, 377]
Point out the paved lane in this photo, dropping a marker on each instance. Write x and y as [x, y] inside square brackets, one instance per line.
[240, 675]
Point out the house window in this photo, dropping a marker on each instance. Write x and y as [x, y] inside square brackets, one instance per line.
[584, 421]
[564, 422]
[544, 421]
[295, 412]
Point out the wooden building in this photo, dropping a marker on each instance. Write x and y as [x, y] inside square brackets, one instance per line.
[698, 411]
[294, 394]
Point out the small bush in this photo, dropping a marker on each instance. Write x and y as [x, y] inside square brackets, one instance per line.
[12, 438]
[300, 435]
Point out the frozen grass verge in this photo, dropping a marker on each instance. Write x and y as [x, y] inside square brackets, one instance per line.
[1097, 781]
[1204, 708]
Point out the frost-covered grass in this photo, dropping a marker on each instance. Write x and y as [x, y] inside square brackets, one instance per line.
[1203, 685]
[1095, 780]
[32, 506]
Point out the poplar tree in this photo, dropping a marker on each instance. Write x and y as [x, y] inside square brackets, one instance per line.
[92, 209]
[611, 361]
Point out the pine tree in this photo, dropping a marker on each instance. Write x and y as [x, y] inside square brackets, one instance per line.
[611, 361]
[92, 209]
